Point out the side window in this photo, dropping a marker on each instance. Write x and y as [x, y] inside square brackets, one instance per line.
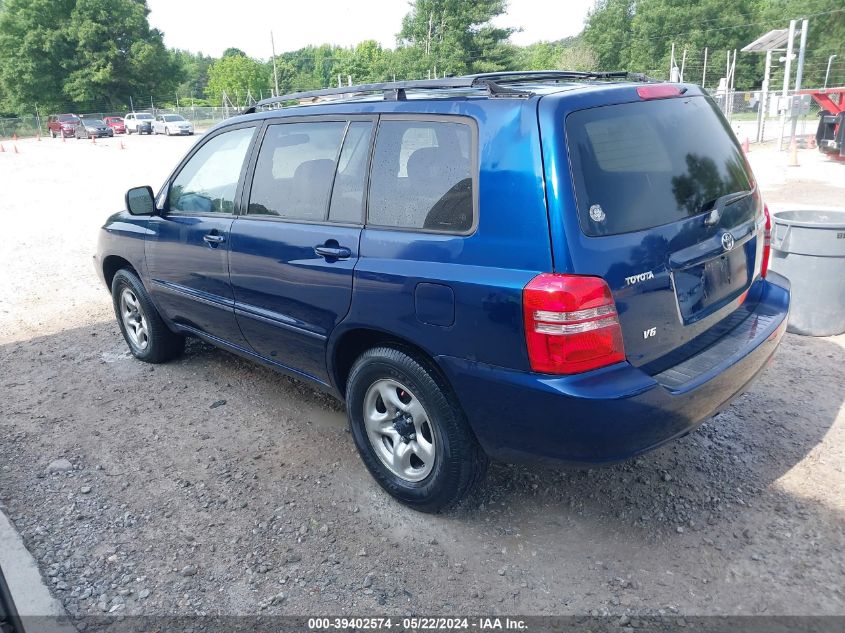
[295, 170]
[209, 180]
[422, 176]
[348, 193]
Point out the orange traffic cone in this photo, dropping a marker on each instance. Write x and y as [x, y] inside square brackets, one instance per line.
[63, 137]
[38, 137]
[2, 149]
[745, 145]
[16, 149]
[93, 140]
[14, 137]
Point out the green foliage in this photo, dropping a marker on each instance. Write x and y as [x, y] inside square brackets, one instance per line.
[637, 35]
[63, 54]
[195, 72]
[456, 36]
[239, 77]
[34, 47]
[71, 54]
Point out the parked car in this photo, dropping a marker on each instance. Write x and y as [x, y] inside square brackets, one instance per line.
[63, 125]
[96, 128]
[556, 266]
[139, 123]
[172, 124]
[116, 123]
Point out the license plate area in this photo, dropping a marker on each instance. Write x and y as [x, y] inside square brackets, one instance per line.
[704, 288]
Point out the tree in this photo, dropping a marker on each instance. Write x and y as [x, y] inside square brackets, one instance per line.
[194, 73]
[117, 53]
[33, 53]
[233, 52]
[608, 33]
[80, 54]
[239, 77]
[456, 37]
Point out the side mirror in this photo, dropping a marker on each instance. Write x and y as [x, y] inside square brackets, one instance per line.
[140, 201]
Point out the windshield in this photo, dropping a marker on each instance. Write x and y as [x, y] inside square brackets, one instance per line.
[144, 117]
[640, 165]
[93, 122]
[68, 119]
[173, 117]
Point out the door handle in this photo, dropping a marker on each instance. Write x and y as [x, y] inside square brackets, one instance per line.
[213, 238]
[332, 251]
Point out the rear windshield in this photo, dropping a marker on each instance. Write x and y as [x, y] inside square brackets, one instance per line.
[640, 165]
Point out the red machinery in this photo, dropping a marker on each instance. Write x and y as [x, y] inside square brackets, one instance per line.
[830, 136]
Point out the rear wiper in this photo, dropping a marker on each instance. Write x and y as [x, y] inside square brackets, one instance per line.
[718, 206]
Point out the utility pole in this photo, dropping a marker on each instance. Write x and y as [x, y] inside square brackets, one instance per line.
[704, 69]
[672, 63]
[763, 105]
[787, 67]
[799, 75]
[683, 64]
[131, 106]
[275, 71]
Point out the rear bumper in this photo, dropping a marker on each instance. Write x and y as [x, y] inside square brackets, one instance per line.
[614, 413]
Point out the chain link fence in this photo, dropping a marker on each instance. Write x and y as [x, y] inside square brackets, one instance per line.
[760, 122]
[202, 117]
[749, 117]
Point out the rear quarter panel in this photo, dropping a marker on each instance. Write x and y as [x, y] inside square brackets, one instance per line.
[482, 273]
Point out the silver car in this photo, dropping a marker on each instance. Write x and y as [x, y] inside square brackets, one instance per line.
[172, 124]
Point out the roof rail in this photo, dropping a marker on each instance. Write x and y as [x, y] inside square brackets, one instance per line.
[495, 83]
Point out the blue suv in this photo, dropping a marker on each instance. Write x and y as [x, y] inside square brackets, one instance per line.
[543, 265]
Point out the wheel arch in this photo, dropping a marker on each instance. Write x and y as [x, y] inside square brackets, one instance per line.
[351, 343]
[114, 263]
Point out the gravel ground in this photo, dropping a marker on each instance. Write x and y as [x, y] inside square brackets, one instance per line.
[213, 486]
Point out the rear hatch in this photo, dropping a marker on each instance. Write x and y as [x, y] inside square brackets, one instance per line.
[668, 213]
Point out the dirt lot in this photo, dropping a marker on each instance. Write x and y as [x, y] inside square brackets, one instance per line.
[213, 486]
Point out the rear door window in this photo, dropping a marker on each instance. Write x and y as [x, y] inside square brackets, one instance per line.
[640, 165]
[422, 176]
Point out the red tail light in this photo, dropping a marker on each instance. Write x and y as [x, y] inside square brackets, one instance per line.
[571, 325]
[767, 242]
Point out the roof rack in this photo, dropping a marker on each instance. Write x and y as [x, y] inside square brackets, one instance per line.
[495, 83]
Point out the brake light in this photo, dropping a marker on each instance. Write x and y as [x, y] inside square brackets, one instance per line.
[571, 324]
[659, 91]
[767, 242]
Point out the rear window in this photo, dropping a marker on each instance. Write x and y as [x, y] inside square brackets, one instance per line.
[422, 176]
[640, 165]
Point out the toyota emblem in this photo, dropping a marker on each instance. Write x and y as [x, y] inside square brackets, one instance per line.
[727, 241]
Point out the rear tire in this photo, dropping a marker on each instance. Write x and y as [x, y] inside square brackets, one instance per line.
[146, 334]
[410, 430]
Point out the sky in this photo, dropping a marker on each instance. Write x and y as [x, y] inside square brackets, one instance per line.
[211, 26]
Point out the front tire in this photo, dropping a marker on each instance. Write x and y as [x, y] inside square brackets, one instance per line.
[410, 431]
[146, 334]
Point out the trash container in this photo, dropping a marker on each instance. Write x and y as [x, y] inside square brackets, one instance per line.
[808, 247]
